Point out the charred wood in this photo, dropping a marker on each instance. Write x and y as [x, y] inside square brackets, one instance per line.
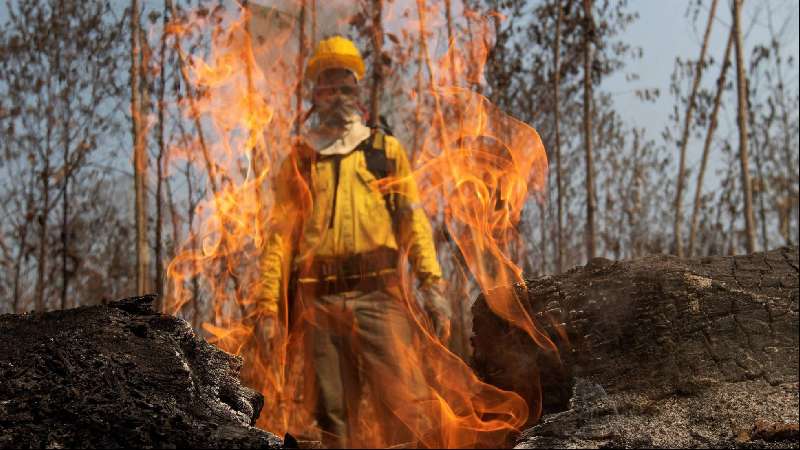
[120, 375]
[656, 352]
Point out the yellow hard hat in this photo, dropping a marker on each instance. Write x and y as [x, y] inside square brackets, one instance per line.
[335, 53]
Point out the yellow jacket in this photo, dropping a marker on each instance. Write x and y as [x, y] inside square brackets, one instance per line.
[307, 190]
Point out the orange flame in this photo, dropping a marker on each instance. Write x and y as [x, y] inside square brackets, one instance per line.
[476, 167]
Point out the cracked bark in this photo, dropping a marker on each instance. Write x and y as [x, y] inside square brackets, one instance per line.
[683, 352]
[121, 376]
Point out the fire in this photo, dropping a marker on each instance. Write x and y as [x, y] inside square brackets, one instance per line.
[475, 168]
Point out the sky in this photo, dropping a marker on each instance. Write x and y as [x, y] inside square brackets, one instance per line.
[665, 32]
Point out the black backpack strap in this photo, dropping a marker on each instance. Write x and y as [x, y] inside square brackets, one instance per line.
[375, 155]
[374, 148]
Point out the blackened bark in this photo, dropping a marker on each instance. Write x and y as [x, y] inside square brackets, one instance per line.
[120, 376]
[657, 352]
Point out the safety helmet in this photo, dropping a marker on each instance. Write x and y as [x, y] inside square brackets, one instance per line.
[335, 53]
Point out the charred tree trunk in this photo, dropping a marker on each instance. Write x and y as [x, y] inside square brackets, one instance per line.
[653, 351]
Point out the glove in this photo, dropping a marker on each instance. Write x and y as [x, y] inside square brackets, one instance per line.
[437, 307]
[264, 331]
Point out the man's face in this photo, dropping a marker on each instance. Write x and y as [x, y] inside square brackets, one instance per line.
[335, 96]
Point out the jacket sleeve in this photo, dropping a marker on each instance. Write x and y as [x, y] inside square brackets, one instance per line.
[276, 255]
[271, 268]
[414, 229]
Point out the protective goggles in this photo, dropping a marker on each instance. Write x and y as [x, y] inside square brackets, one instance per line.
[333, 89]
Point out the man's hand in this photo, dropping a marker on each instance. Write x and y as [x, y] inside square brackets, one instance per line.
[264, 331]
[437, 307]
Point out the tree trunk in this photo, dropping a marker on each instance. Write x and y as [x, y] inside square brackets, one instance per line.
[588, 32]
[23, 244]
[211, 172]
[301, 57]
[712, 126]
[741, 118]
[762, 184]
[451, 43]
[159, 281]
[313, 22]
[65, 207]
[195, 113]
[43, 218]
[418, 105]
[652, 354]
[789, 165]
[698, 73]
[459, 340]
[557, 125]
[377, 63]
[197, 312]
[139, 158]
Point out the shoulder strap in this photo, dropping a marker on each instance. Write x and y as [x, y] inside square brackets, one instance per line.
[375, 155]
[374, 148]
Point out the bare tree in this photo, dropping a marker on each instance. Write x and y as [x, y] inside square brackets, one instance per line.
[162, 82]
[59, 76]
[698, 73]
[139, 154]
[742, 119]
[43, 216]
[377, 64]
[301, 56]
[787, 206]
[712, 126]
[557, 132]
[587, 126]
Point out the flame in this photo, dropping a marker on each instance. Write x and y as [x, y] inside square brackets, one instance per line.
[475, 168]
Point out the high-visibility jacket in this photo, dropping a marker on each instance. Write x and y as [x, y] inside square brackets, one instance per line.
[332, 207]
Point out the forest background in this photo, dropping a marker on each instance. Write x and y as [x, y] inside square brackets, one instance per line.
[670, 128]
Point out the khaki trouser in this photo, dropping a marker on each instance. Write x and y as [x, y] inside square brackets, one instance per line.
[358, 339]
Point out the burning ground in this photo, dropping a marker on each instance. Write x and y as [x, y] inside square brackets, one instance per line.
[659, 352]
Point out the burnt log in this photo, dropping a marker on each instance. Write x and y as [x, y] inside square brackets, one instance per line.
[656, 352]
[120, 376]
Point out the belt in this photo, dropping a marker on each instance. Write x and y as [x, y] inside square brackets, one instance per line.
[315, 289]
[367, 271]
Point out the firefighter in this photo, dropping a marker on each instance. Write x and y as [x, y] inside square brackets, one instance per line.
[340, 237]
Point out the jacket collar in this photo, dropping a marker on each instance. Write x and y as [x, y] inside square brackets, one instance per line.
[342, 143]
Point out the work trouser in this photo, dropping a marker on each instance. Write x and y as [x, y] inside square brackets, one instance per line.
[366, 339]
